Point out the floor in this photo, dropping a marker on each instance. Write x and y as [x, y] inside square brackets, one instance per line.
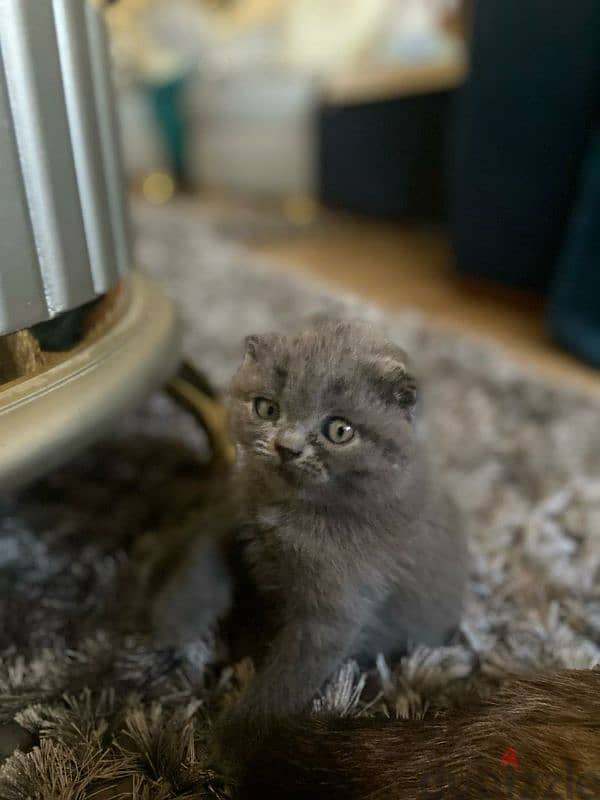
[398, 266]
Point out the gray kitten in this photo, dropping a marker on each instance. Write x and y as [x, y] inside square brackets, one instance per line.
[347, 548]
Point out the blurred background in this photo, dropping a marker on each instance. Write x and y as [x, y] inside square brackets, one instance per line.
[438, 154]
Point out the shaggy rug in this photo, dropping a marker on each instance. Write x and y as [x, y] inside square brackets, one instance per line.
[97, 705]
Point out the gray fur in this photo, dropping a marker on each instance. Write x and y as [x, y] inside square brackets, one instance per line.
[351, 544]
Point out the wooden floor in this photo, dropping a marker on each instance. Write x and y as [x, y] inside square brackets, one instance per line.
[399, 266]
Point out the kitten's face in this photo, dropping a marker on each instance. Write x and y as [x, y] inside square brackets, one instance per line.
[326, 411]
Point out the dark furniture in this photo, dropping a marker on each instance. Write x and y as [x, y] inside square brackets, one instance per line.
[526, 176]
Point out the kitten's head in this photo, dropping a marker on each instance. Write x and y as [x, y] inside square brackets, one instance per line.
[324, 411]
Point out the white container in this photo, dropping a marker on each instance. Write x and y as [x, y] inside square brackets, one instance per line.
[255, 132]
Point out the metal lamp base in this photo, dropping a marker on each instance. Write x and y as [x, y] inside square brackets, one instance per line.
[47, 418]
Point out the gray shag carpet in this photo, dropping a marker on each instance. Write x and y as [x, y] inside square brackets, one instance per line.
[95, 702]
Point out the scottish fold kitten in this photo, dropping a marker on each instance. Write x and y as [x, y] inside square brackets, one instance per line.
[345, 546]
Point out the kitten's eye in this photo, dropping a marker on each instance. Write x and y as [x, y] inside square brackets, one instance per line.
[338, 430]
[266, 409]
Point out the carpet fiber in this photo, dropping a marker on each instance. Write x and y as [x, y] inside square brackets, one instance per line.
[95, 702]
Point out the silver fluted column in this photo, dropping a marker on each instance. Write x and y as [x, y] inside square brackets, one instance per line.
[63, 222]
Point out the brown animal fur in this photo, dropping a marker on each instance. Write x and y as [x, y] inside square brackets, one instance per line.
[20, 356]
[551, 722]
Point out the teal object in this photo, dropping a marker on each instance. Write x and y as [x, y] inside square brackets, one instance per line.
[168, 106]
[574, 309]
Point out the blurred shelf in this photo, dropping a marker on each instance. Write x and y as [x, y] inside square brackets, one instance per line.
[386, 81]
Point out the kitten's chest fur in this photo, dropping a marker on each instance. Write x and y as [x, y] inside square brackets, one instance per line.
[400, 571]
[279, 552]
[308, 560]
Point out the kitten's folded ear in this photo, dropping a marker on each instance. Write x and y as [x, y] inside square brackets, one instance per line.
[260, 345]
[395, 379]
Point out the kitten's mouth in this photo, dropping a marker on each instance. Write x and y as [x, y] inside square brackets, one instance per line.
[299, 476]
[289, 473]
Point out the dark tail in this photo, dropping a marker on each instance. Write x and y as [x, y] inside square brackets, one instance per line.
[535, 737]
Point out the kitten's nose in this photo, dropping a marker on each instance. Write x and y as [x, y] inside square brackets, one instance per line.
[287, 453]
[290, 442]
